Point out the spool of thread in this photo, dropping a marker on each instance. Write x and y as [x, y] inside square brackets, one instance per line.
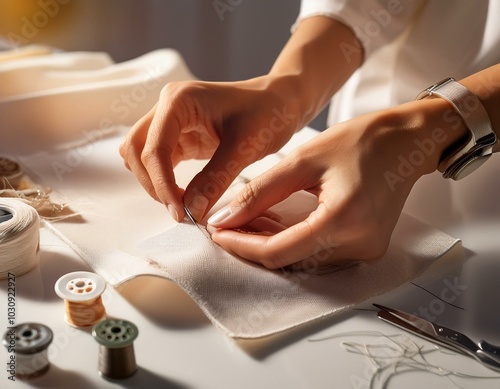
[30, 342]
[116, 348]
[81, 292]
[19, 237]
[10, 171]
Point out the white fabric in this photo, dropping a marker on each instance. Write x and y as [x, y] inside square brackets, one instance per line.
[409, 45]
[67, 97]
[122, 233]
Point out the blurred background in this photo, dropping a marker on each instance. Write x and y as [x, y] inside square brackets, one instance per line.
[220, 40]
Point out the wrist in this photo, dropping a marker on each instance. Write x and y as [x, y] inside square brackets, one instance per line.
[440, 130]
[283, 93]
[420, 134]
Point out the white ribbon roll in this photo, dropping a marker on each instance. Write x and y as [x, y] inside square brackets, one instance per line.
[19, 237]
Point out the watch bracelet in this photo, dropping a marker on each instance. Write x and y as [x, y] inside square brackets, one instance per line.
[476, 119]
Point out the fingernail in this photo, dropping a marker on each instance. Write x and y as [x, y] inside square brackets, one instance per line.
[198, 206]
[173, 212]
[221, 215]
[211, 229]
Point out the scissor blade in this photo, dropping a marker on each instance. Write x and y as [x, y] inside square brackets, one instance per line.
[409, 321]
[396, 321]
[391, 319]
[444, 336]
[431, 331]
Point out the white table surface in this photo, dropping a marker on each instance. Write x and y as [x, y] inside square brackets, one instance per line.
[178, 347]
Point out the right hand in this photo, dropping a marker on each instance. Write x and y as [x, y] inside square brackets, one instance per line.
[233, 124]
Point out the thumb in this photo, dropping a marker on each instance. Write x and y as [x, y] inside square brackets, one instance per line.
[259, 195]
[210, 184]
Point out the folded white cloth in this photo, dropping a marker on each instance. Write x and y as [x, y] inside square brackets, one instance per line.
[247, 301]
[123, 233]
[126, 234]
[62, 97]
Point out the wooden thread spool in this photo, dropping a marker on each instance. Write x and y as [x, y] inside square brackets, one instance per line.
[29, 343]
[116, 348]
[81, 292]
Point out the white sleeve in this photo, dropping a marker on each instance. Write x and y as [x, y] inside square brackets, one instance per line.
[374, 22]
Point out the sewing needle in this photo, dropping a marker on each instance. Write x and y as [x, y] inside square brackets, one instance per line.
[201, 228]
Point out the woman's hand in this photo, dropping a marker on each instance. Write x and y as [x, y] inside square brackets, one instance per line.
[231, 124]
[361, 172]
[234, 124]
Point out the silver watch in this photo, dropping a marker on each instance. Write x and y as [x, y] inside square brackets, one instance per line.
[460, 162]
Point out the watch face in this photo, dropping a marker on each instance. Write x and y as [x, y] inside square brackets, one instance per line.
[468, 167]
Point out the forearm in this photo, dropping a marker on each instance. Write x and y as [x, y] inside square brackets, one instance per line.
[486, 86]
[317, 60]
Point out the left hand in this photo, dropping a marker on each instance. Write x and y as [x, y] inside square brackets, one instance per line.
[356, 171]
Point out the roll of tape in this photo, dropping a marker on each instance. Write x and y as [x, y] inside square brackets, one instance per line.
[19, 237]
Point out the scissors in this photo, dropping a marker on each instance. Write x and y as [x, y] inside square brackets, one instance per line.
[484, 352]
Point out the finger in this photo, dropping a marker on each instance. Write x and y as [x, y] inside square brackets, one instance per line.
[156, 156]
[261, 226]
[210, 184]
[302, 240]
[265, 225]
[262, 193]
[132, 148]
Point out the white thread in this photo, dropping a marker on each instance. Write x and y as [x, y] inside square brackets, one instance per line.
[19, 237]
[400, 354]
